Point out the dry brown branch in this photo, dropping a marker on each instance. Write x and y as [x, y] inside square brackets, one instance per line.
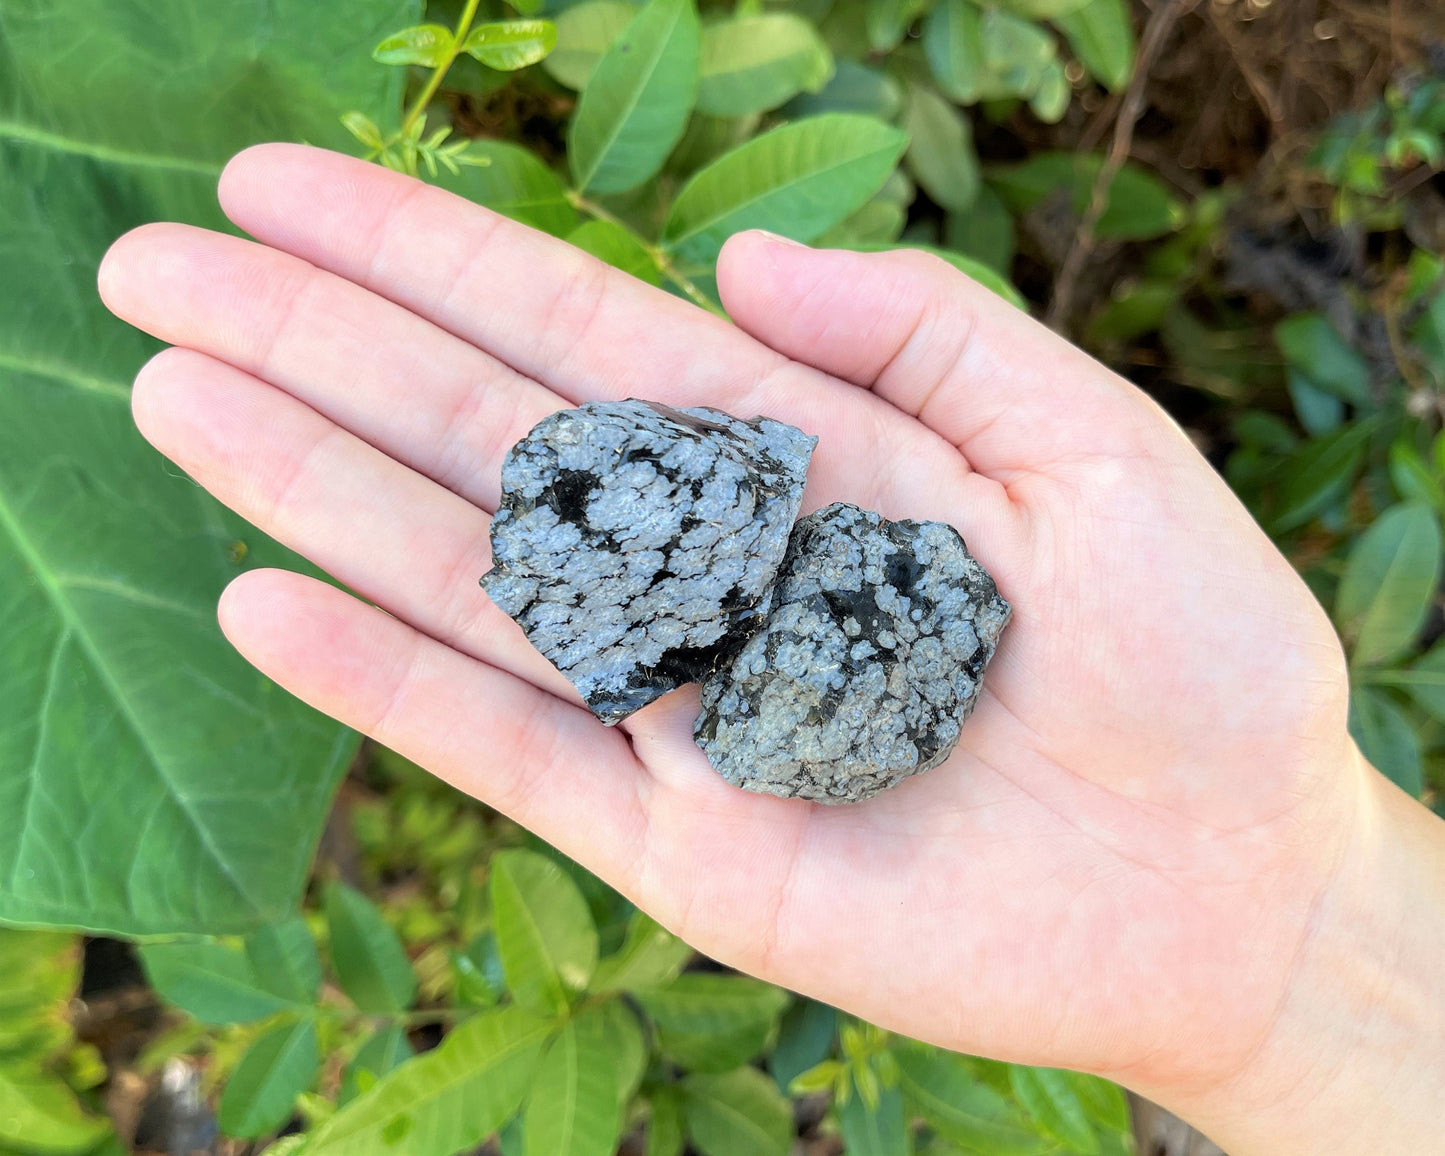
[1156, 31]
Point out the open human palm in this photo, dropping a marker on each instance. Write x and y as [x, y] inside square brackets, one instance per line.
[1155, 787]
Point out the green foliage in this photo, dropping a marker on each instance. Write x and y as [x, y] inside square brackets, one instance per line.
[139, 754]
[545, 934]
[40, 1112]
[280, 1065]
[371, 964]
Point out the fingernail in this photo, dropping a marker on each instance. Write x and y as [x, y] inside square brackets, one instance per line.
[774, 239]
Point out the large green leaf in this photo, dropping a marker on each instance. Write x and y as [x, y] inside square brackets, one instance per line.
[584, 33]
[1138, 205]
[515, 183]
[738, 1113]
[798, 180]
[1386, 737]
[1311, 345]
[575, 1106]
[279, 1066]
[215, 982]
[637, 100]
[874, 1129]
[444, 1101]
[754, 63]
[940, 149]
[1389, 583]
[649, 957]
[961, 1108]
[368, 957]
[1049, 1096]
[711, 1022]
[1102, 34]
[150, 780]
[545, 933]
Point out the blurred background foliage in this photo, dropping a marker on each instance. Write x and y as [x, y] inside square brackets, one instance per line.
[248, 931]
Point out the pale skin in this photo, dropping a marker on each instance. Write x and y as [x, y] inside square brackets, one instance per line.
[1155, 855]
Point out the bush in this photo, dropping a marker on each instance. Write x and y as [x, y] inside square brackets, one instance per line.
[152, 784]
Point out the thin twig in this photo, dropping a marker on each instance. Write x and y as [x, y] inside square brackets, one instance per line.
[1156, 31]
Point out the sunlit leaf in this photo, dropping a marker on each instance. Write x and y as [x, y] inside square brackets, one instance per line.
[798, 180]
[369, 959]
[508, 45]
[755, 63]
[280, 1065]
[1389, 583]
[545, 933]
[429, 45]
[637, 100]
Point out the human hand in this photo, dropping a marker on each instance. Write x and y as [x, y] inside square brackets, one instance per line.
[1126, 865]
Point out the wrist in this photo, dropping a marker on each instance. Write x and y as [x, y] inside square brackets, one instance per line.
[1354, 1060]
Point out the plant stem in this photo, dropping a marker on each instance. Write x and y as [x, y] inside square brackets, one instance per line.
[660, 257]
[434, 82]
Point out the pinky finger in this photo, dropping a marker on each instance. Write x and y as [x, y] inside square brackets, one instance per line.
[537, 759]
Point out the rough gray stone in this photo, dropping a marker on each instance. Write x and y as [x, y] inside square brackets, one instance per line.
[866, 666]
[637, 544]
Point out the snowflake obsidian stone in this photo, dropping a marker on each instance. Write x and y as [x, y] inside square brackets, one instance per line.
[637, 545]
[866, 666]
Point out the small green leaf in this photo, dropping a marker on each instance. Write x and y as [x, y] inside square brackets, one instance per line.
[387, 1050]
[887, 21]
[1104, 1102]
[545, 933]
[1319, 412]
[213, 981]
[574, 1107]
[637, 100]
[619, 247]
[1016, 54]
[429, 45]
[613, 1029]
[798, 180]
[285, 960]
[879, 1130]
[371, 964]
[1051, 99]
[1043, 9]
[665, 1122]
[1050, 1098]
[515, 183]
[1311, 345]
[1389, 583]
[1101, 33]
[1386, 738]
[584, 33]
[280, 1065]
[959, 1107]
[755, 63]
[508, 45]
[1412, 478]
[650, 956]
[805, 1039]
[1320, 473]
[711, 1022]
[854, 88]
[40, 1114]
[1423, 680]
[738, 1113]
[940, 150]
[444, 1101]
[953, 44]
